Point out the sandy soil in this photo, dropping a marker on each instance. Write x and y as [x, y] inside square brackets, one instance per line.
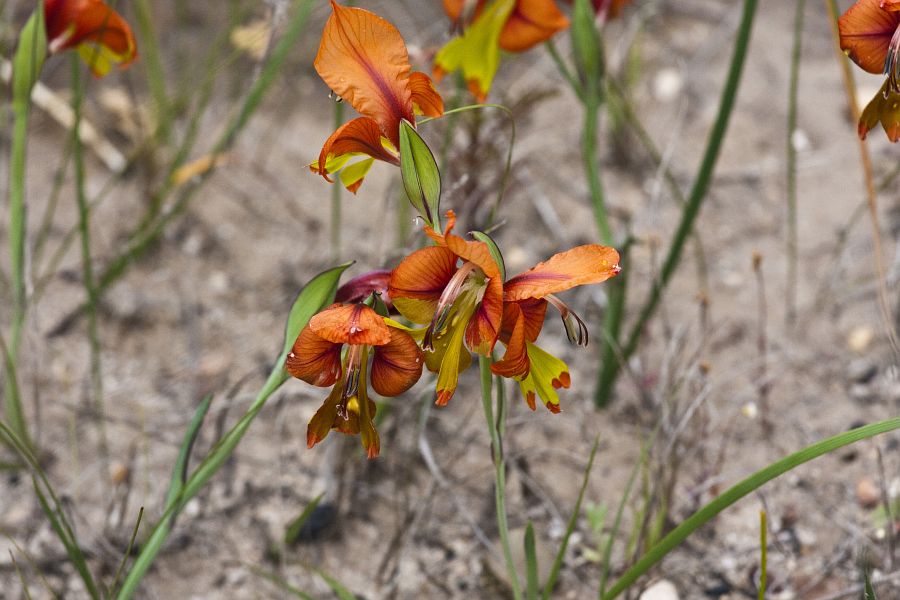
[204, 312]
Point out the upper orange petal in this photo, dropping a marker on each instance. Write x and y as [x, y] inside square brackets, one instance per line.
[866, 30]
[351, 324]
[579, 266]
[425, 96]
[423, 275]
[397, 365]
[314, 359]
[530, 23]
[364, 60]
[515, 363]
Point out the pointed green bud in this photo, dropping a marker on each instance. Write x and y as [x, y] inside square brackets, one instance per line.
[30, 56]
[421, 178]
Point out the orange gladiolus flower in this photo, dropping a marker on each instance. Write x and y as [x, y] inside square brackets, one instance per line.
[456, 289]
[363, 59]
[316, 359]
[525, 300]
[870, 35]
[98, 33]
[511, 25]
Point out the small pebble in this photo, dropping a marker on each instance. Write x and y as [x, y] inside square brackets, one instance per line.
[860, 338]
[667, 85]
[661, 590]
[867, 493]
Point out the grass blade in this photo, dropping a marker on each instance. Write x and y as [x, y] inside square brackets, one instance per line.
[738, 491]
[137, 526]
[531, 565]
[293, 530]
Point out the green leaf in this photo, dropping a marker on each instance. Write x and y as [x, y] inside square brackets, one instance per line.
[869, 591]
[531, 566]
[495, 250]
[30, 56]
[180, 470]
[293, 530]
[420, 175]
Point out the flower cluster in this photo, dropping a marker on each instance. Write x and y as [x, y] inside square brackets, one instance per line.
[870, 35]
[453, 295]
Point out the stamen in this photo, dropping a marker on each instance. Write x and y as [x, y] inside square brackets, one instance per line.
[335, 97]
[892, 65]
[576, 330]
[445, 303]
[355, 355]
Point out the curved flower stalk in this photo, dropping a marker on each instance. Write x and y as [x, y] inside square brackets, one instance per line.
[98, 33]
[457, 289]
[870, 35]
[364, 60]
[525, 300]
[317, 357]
[488, 27]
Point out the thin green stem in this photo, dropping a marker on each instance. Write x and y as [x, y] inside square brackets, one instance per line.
[87, 268]
[590, 156]
[495, 428]
[763, 551]
[697, 194]
[564, 69]
[677, 536]
[336, 193]
[791, 241]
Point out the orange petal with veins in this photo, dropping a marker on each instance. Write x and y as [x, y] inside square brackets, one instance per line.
[397, 365]
[363, 59]
[361, 135]
[314, 359]
[425, 96]
[579, 266]
[515, 363]
[866, 31]
[351, 324]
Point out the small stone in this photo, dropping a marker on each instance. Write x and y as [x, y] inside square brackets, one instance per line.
[118, 473]
[863, 393]
[861, 370]
[867, 493]
[667, 85]
[750, 410]
[661, 590]
[860, 338]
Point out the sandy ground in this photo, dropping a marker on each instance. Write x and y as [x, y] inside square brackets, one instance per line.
[204, 312]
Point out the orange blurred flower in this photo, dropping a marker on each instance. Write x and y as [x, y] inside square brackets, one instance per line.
[316, 359]
[870, 35]
[364, 60]
[98, 33]
[488, 27]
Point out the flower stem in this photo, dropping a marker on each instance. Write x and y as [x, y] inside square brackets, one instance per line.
[495, 425]
[696, 196]
[791, 242]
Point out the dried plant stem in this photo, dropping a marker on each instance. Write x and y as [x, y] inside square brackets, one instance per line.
[869, 179]
[790, 313]
[496, 423]
[695, 198]
[87, 268]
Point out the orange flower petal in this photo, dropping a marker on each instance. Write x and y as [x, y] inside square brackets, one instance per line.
[71, 23]
[314, 359]
[361, 135]
[484, 326]
[533, 310]
[397, 365]
[890, 4]
[866, 31]
[515, 363]
[579, 266]
[476, 252]
[351, 324]
[883, 110]
[421, 277]
[364, 60]
[530, 23]
[322, 422]
[425, 96]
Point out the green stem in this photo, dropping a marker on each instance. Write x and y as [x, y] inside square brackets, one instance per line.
[697, 194]
[495, 428]
[677, 536]
[14, 412]
[87, 269]
[336, 193]
[591, 160]
[791, 242]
